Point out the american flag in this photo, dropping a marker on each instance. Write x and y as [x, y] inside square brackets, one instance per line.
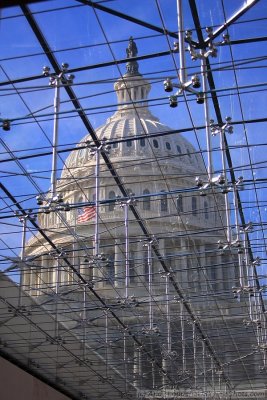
[86, 214]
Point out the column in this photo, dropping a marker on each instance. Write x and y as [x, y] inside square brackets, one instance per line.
[184, 262]
[118, 264]
[136, 367]
[140, 263]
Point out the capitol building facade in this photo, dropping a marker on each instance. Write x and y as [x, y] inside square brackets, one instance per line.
[158, 169]
[146, 289]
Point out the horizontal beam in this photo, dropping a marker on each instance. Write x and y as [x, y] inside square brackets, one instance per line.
[110, 142]
[125, 60]
[86, 67]
[13, 3]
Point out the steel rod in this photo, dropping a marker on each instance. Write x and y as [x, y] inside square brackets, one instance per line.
[127, 266]
[195, 354]
[207, 114]
[183, 336]
[55, 138]
[149, 262]
[182, 70]
[226, 196]
[240, 256]
[169, 343]
[97, 192]
[23, 219]
[56, 298]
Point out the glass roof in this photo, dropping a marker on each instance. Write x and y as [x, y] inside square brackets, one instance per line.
[92, 37]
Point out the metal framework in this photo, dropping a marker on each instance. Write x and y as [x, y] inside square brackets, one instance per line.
[153, 334]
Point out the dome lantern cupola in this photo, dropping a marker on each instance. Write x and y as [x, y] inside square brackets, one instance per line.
[132, 87]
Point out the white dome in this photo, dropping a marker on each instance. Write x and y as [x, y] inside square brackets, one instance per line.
[133, 120]
[153, 139]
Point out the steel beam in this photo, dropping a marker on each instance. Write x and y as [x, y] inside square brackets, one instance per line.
[125, 60]
[247, 5]
[13, 3]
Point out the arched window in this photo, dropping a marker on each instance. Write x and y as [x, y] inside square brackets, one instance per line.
[115, 145]
[155, 143]
[129, 143]
[146, 200]
[142, 142]
[179, 150]
[206, 210]
[110, 268]
[194, 205]
[163, 201]
[142, 93]
[168, 146]
[213, 276]
[179, 203]
[111, 196]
